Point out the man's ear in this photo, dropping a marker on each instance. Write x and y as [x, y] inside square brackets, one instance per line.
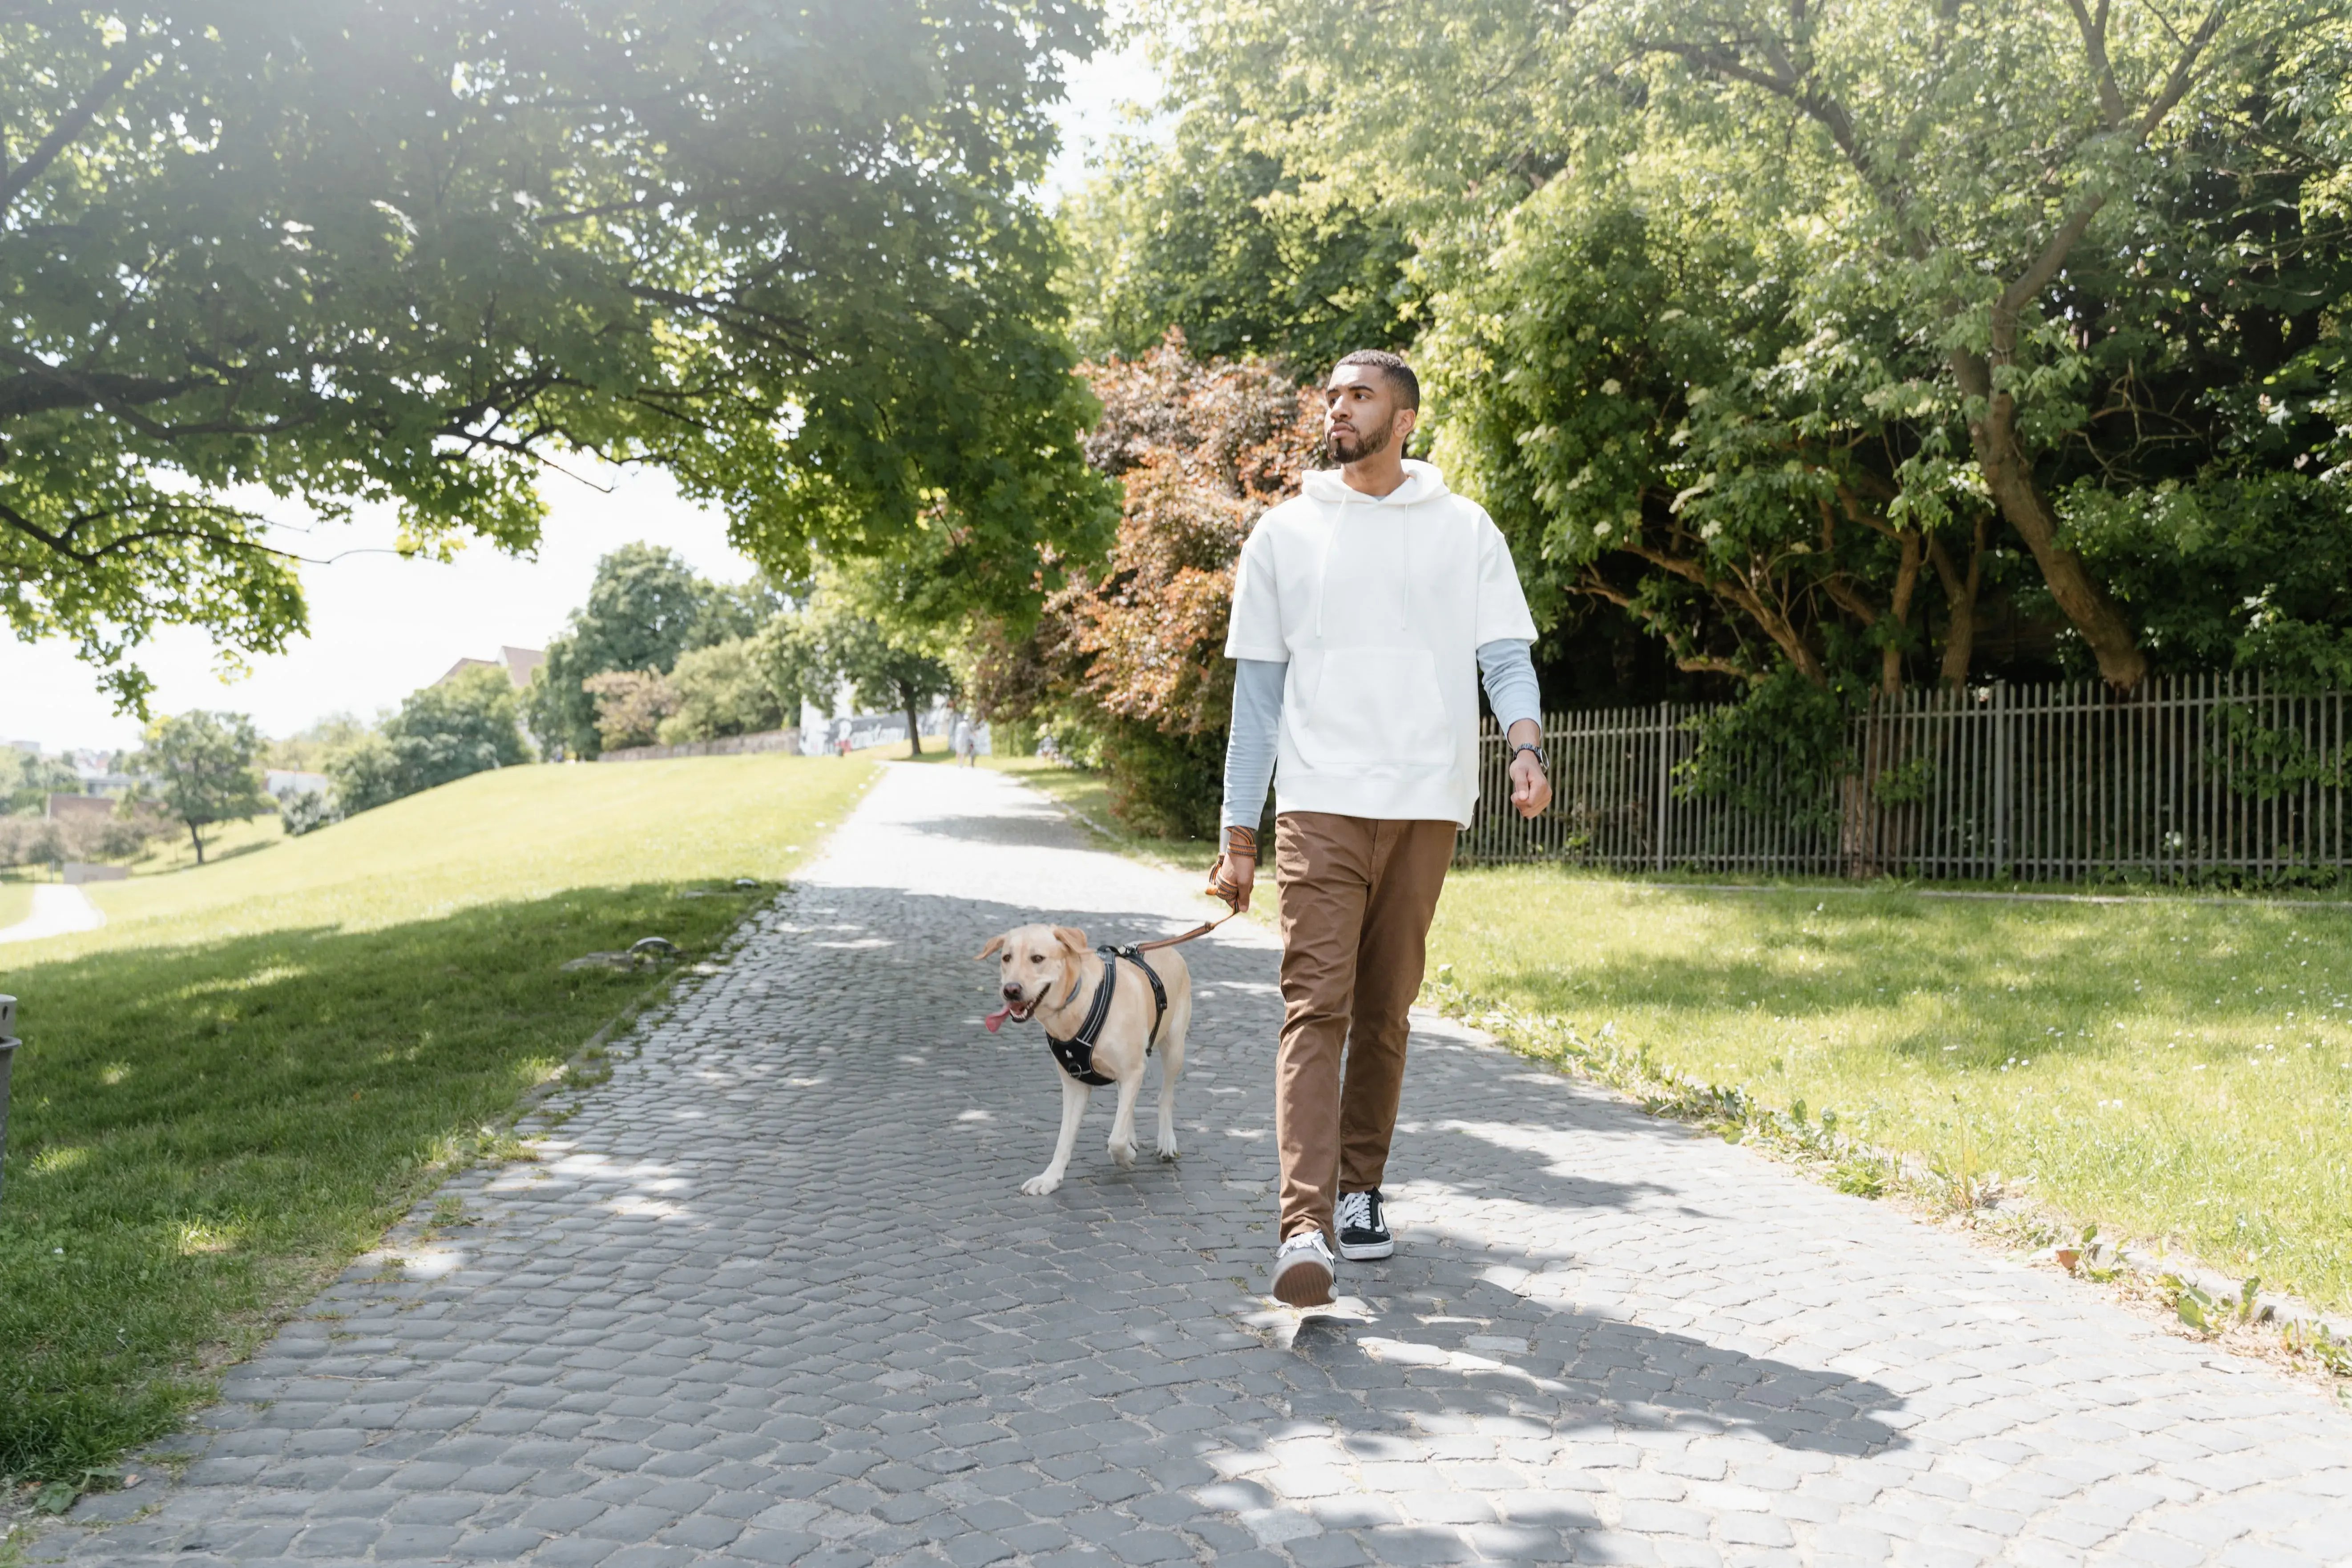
[1407, 419]
[995, 944]
[1073, 939]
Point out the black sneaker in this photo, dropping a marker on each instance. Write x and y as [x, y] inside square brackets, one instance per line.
[1362, 1222]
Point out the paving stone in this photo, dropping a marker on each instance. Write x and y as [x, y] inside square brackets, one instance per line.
[771, 1295]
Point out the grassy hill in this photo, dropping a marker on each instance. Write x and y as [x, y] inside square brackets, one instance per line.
[255, 1066]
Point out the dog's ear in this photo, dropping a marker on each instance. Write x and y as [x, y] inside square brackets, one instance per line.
[995, 944]
[1073, 939]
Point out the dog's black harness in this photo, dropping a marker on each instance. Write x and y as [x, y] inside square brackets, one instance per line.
[1077, 1054]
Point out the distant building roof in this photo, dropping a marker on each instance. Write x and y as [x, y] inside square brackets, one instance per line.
[518, 662]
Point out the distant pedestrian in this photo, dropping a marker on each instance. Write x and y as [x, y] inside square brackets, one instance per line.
[1365, 611]
[967, 744]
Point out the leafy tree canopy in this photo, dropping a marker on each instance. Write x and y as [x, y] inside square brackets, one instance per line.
[1776, 321]
[203, 768]
[644, 608]
[338, 252]
[1211, 234]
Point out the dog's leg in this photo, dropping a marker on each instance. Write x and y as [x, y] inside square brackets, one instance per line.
[1122, 1121]
[1171, 1064]
[1074, 1106]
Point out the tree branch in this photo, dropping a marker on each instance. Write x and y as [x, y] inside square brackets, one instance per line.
[2094, 46]
[71, 124]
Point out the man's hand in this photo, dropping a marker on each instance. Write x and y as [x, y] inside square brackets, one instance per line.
[1232, 879]
[1530, 791]
[1235, 872]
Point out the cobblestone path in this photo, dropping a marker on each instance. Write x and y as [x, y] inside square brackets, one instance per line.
[775, 1296]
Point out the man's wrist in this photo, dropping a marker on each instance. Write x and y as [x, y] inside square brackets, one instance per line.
[1241, 843]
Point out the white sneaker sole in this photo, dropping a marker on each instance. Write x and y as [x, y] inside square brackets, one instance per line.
[1305, 1283]
[1369, 1251]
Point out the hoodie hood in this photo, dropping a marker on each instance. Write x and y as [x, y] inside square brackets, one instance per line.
[1421, 483]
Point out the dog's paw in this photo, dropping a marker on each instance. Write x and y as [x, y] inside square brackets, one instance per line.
[1123, 1154]
[1167, 1146]
[1038, 1185]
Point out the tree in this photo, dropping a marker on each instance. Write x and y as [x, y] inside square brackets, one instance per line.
[1208, 234]
[28, 779]
[337, 252]
[2069, 263]
[366, 774]
[464, 725]
[1136, 652]
[884, 671]
[204, 772]
[631, 705]
[722, 691]
[645, 608]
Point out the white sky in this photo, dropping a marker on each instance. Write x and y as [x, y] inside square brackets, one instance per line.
[382, 626]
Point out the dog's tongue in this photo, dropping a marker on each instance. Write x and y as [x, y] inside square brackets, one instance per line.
[996, 1020]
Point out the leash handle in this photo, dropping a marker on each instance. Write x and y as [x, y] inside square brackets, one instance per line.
[1204, 929]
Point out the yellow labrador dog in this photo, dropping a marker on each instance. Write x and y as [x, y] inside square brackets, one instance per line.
[1104, 1011]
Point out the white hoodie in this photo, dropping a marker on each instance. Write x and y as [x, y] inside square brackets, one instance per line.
[1378, 604]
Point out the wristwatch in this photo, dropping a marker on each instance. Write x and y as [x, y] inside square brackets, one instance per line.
[1541, 760]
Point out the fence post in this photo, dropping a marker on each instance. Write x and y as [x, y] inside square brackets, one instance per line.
[1999, 778]
[1658, 839]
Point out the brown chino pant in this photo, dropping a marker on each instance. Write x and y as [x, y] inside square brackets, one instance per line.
[1357, 896]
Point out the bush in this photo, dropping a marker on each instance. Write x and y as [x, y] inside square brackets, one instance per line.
[630, 706]
[306, 811]
[1167, 785]
[366, 774]
[465, 724]
[722, 690]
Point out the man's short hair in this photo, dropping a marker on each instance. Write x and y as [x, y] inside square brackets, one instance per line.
[1394, 371]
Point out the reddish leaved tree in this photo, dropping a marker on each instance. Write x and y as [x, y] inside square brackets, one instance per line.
[1135, 650]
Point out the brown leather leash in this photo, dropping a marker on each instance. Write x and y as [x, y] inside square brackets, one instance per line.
[1218, 888]
[1204, 929]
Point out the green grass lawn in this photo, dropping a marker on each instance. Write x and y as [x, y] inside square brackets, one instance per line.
[16, 901]
[2177, 1072]
[254, 1069]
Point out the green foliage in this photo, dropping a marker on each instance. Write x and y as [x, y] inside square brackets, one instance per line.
[465, 724]
[204, 769]
[1208, 235]
[1781, 755]
[888, 670]
[645, 608]
[723, 689]
[1168, 785]
[346, 253]
[455, 726]
[26, 780]
[1776, 326]
[366, 774]
[631, 705]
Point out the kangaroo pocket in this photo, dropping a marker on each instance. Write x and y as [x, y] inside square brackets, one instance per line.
[1375, 706]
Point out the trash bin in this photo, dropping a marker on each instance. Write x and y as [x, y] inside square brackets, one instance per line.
[7, 1052]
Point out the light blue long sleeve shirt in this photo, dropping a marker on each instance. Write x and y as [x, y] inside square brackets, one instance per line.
[1505, 666]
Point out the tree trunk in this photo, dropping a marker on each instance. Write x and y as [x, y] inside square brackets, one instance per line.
[914, 733]
[1960, 595]
[1992, 433]
[1907, 583]
[197, 840]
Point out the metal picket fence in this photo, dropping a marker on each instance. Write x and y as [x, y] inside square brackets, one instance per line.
[2059, 782]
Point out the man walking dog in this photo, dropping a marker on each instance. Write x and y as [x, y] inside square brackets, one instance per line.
[1364, 609]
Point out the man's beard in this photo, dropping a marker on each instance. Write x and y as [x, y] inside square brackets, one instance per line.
[1369, 443]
